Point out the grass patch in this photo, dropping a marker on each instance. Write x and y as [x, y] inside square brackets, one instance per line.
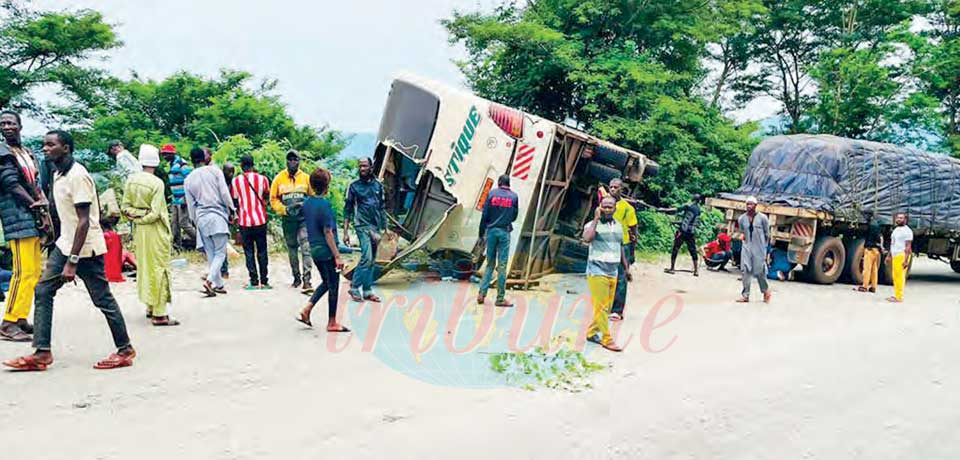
[565, 370]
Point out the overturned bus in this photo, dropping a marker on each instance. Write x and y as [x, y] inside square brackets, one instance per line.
[441, 150]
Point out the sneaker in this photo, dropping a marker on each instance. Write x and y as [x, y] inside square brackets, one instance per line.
[25, 326]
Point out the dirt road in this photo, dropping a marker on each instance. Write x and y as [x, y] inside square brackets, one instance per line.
[823, 372]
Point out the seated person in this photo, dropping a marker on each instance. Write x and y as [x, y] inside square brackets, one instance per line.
[718, 252]
[779, 265]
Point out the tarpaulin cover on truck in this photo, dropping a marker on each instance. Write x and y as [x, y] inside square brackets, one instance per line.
[845, 177]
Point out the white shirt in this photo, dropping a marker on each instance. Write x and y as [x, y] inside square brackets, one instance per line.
[77, 187]
[899, 238]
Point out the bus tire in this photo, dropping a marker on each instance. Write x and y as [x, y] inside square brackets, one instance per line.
[826, 261]
[853, 267]
[573, 249]
[603, 174]
[610, 157]
[955, 265]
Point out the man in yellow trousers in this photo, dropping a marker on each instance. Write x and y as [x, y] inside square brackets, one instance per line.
[605, 237]
[872, 250]
[901, 248]
[19, 195]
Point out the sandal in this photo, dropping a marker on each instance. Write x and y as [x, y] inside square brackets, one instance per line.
[15, 335]
[252, 287]
[355, 297]
[743, 300]
[668, 271]
[162, 321]
[337, 328]
[374, 298]
[220, 291]
[208, 289]
[616, 317]
[116, 361]
[29, 363]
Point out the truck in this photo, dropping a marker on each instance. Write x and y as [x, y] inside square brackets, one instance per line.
[440, 151]
[816, 189]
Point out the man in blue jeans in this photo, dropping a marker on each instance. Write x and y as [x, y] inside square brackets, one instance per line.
[365, 207]
[496, 223]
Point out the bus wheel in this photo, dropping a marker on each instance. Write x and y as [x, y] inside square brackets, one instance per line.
[826, 261]
[853, 268]
[955, 265]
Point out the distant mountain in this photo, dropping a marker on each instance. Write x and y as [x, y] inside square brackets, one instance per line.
[361, 145]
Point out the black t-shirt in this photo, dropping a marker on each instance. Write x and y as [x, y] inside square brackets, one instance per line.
[873, 235]
[691, 218]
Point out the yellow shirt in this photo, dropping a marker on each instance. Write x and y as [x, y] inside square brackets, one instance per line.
[627, 216]
[286, 191]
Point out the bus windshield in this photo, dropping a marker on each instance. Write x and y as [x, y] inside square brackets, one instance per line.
[409, 119]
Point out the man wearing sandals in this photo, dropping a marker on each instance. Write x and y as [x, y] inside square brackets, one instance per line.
[604, 234]
[145, 206]
[210, 207]
[753, 254]
[365, 206]
[78, 253]
[251, 192]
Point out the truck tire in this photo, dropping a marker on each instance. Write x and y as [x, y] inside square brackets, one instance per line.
[886, 270]
[826, 261]
[853, 267]
[610, 157]
[602, 173]
[955, 265]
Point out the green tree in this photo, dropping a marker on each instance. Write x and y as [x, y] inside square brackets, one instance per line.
[626, 70]
[50, 48]
[191, 110]
[937, 67]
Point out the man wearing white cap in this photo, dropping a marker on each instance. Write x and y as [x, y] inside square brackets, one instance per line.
[755, 228]
[145, 206]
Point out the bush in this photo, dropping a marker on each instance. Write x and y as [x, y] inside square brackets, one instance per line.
[656, 230]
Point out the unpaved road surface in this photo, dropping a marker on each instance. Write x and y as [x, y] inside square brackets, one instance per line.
[822, 372]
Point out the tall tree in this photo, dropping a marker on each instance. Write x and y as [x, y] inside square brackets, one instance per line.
[49, 48]
[732, 45]
[627, 70]
[937, 67]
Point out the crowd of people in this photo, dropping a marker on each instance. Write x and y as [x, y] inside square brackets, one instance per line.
[52, 203]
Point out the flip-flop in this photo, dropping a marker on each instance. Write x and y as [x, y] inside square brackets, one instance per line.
[28, 363]
[116, 361]
[616, 317]
[356, 297]
[743, 300]
[208, 289]
[304, 319]
[341, 329]
[220, 290]
[374, 298]
[668, 271]
[251, 287]
[266, 287]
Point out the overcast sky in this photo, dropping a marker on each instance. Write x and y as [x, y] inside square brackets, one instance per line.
[334, 59]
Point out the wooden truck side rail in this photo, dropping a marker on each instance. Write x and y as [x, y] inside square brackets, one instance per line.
[797, 227]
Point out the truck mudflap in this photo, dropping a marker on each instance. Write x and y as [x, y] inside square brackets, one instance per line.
[382, 268]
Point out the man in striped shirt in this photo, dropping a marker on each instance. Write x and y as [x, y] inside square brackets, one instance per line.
[251, 191]
[605, 237]
[179, 170]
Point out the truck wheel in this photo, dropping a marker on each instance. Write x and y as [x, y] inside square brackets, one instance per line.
[955, 265]
[613, 158]
[573, 249]
[601, 172]
[886, 269]
[826, 261]
[853, 267]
